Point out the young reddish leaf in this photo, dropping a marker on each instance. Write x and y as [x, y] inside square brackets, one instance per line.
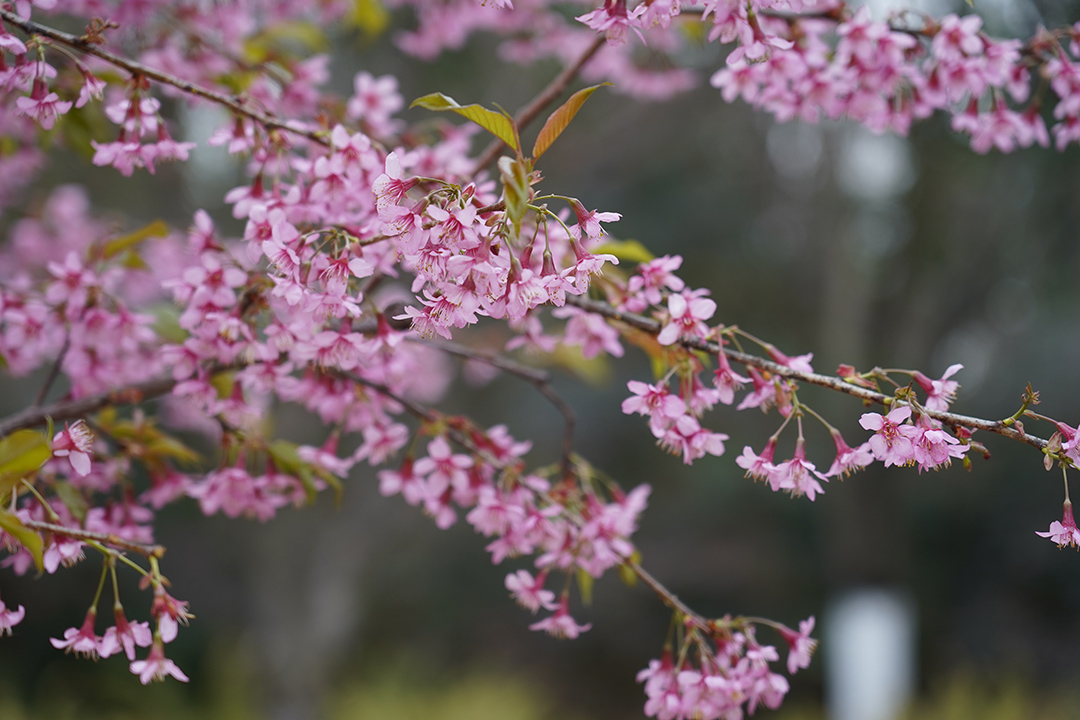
[24, 535]
[497, 124]
[558, 120]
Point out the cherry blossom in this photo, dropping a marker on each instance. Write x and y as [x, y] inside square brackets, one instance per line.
[156, 666]
[1065, 532]
[561, 625]
[892, 440]
[10, 618]
[82, 641]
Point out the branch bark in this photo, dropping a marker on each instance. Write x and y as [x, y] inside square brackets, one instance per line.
[135, 68]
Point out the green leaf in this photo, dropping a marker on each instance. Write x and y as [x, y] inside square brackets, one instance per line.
[308, 36]
[72, 499]
[626, 572]
[21, 453]
[158, 228]
[24, 535]
[287, 460]
[560, 119]
[369, 17]
[628, 250]
[495, 123]
[585, 586]
[515, 180]
[223, 383]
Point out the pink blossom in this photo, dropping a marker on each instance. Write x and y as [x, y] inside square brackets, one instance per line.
[656, 401]
[561, 625]
[613, 20]
[798, 475]
[848, 459]
[529, 592]
[125, 635]
[939, 393]
[42, 105]
[156, 666]
[687, 438]
[1065, 532]
[800, 645]
[687, 313]
[170, 614]
[759, 467]
[891, 442]
[76, 443]
[933, 447]
[652, 278]
[10, 618]
[82, 641]
[726, 381]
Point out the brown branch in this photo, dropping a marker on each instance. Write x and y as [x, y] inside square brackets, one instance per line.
[156, 551]
[546, 96]
[83, 45]
[537, 378]
[72, 409]
[949, 419]
[666, 596]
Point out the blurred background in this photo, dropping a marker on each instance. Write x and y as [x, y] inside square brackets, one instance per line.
[868, 250]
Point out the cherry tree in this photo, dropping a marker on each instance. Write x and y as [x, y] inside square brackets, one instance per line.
[373, 249]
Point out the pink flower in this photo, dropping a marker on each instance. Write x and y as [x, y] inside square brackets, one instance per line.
[891, 441]
[800, 645]
[939, 393]
[613, 21]
[75, 443]
[124, 635]
[529, 593]
[848, 459]
[652, 277]
[933, 447]
[726, 380]
[42, 105]
[10, 618]
[81, 641]
[170, 614]
[656, 401]
[1064, 532]
[561, 625]
[156, 666]
[759, 467]
[797, 474]
[687, 313]
[687, 438]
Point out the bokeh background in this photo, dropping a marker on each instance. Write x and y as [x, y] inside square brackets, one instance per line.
[868, 250]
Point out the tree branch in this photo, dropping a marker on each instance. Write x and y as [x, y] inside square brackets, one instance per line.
[105, 538]
[652, 327]
[545, 97]
[537, 378]
[83, 45]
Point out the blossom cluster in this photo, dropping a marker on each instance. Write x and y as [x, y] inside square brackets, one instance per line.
[363, 247]
[731, 677]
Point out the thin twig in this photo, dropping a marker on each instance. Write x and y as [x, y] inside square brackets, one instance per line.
[652, 327]
[54, 371]
[666, 596]
[546, 96]
[72, 409]
[82, 44]
[537, 378]
[106, 538]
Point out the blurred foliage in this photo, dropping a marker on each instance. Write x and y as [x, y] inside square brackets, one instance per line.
[402, 689]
